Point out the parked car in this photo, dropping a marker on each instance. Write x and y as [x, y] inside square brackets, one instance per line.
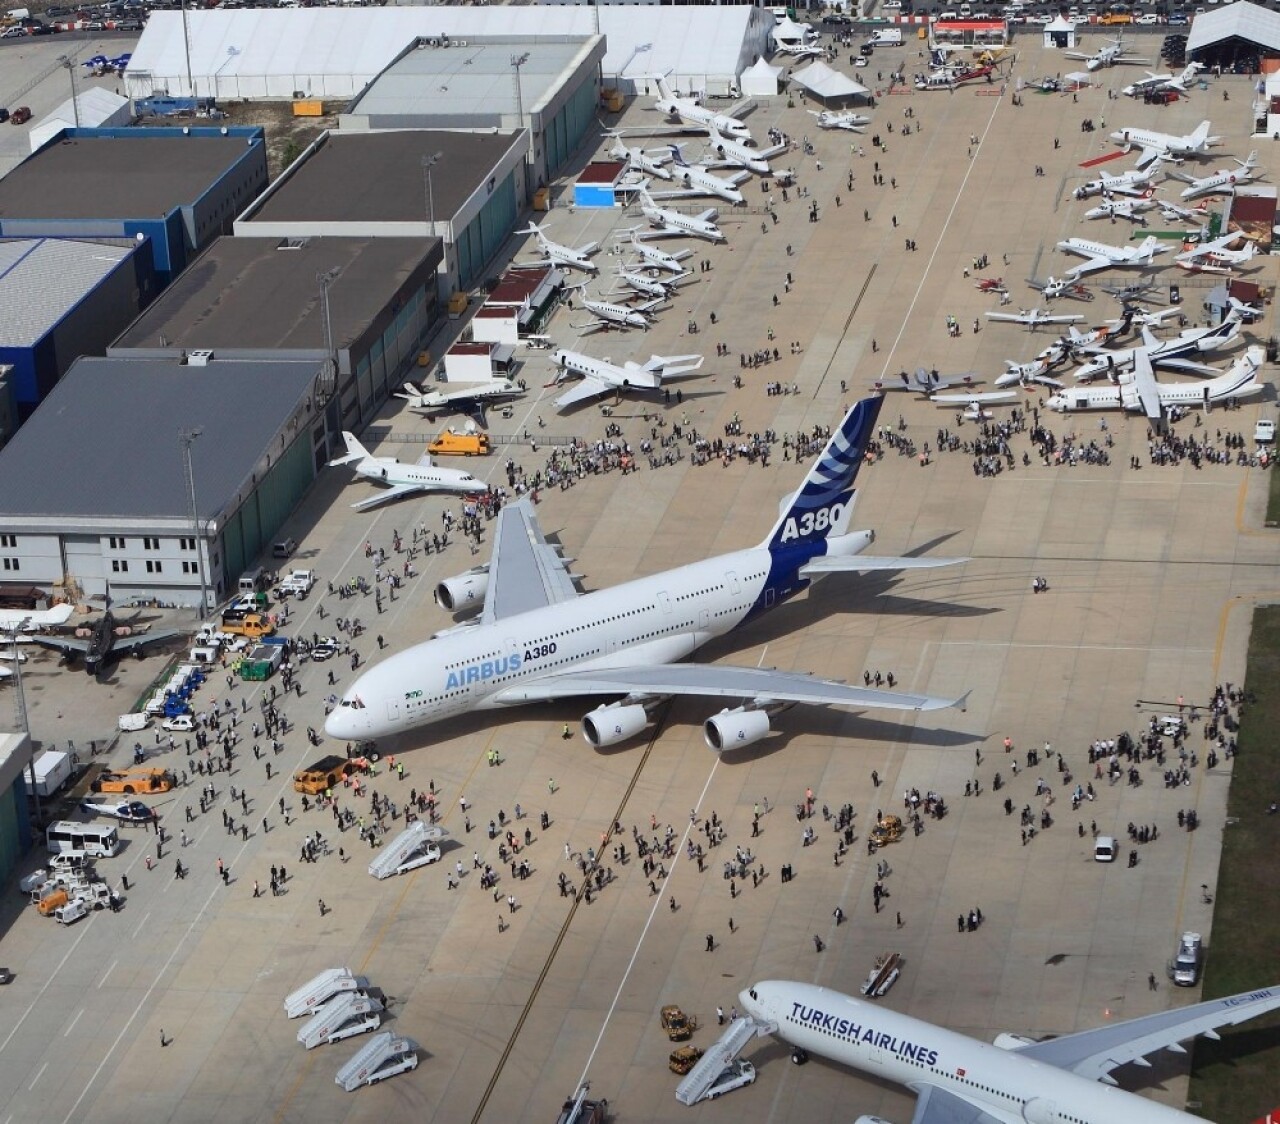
[21, 115]
[179, 723]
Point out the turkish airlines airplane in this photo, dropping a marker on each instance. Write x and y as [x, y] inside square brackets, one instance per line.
[959, 1080]
[539, 639]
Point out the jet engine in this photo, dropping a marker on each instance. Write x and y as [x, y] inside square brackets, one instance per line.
[871, 1120]
[608, 725]
[1008, 1041]
[731, 729]
[465, 591]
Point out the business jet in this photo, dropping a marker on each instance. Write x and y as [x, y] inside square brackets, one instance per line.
[29, 620]
[1153, 82]
[957, 1078]
[403, 479]
[1114, 54]
[1138, 390]
[1162, 353]
[1136, 181]
[640, 161]
[672, 223]
[1051, 288]
[1173, 212]
[647, 286]
[1155, 144]
[848, 120]
[1037, 371]
[655, 258]
[735, 152]
[1033, 318]
[1113, 209]
[698, 181]
[565, 256]
[539, 640]
[1225, 181]
[1215, 257]
[472, 399]
[599, 376]
[608, 315]
[689, 112]
[1101, 256]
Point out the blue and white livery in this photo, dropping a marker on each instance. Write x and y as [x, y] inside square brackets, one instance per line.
[538, 639]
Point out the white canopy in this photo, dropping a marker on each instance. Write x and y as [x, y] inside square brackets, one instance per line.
[761, 80]
[823, 82]
[94, 108]
[1060, 23]
[788, 31]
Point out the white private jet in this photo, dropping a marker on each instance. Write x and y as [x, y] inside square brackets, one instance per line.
[403, 479]
[690, 112]
[655, 258]
[736, 153]
[1163, 353]
[801, 51]
[609, 315]
[1101, 256]
[641, 282]
[1225, 181]
[566, 256]
[1033, 318]
[1172, 212]
[1114, 54]
[957, 1079]
[1215, 257]
[1037, 371]
[1113, 209]
[643, 162]
[848, 120]
[1154, 82]
[599, 376]
[1138, 390]
[468, 398]
[1136, 181]
[698, 181]
[1051, 288]
[538, 639]
[1155, 144]
[32, 620]
[672, 223]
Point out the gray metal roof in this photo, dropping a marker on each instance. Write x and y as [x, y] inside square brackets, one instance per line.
[378, 177]
[105, 442]
[1241, 20]
[260, 293]
[41, 279]
[475, 81]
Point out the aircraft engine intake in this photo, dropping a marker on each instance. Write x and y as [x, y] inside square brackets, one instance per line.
[1007, 1041]
[464, 591]
[608, 725]
[731, 729]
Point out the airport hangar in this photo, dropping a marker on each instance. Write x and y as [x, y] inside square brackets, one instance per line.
[95, 489]
[1236, 37]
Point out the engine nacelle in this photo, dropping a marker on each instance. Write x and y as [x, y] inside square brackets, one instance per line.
[1008, 1041]
[731, 729]
[465, 591]
[871, 1120]
[608, 725]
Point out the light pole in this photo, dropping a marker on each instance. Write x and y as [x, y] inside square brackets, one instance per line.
[70, 66]
[186, 45]
[20, 710]
[188, 438]
[517, 61]
[429, 162]
[329, 375]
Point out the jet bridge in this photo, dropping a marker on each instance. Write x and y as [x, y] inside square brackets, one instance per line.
[417, 845]
[383, 1056]
[330, 982]
[712, 1065]
[344, 1016]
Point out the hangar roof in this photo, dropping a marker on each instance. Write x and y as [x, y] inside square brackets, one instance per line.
[1241, 20]
[41, 279]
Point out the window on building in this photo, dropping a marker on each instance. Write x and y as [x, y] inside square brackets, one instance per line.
[11, 564]
[10, 541]
[116, 542]
[119, 566]
[150, 543]
[153, 567]
[189, 568]
[187, 544]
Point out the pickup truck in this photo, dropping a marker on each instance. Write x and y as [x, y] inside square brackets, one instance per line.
[1185, 969]
[298, 583]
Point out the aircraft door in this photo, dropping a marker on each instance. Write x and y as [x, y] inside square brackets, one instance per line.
[665, 602]
[735, 586]
[768, 597]
[393, 710]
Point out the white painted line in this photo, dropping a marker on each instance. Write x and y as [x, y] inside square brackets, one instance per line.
[39, 1074]
[142, 924]
[107, 973]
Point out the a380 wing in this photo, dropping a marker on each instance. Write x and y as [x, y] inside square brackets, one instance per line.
[759, 685]
[525, 571]
[62, 643]
[125, 644]
[1095, 1053]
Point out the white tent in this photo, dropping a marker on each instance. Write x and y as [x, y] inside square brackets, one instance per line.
[1060, 34]
[788, 31]
[761, 80]
[829, 85]
[94, 108]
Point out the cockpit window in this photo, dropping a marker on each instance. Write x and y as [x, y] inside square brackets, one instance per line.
[353, 703]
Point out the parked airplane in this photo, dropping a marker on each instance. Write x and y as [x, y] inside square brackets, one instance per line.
[640, 161]
[1113, 54]
[1037, 371]
[1139, 390]
[1225, 181]
[699, 181]
[1113, 209]
[655, 258]
[847, 120]
[599, 376]
[28, 620]
[1163, 353]
[1101, 256]
[1155, 144]
[1051, 288]
[1173, 212]
[1136, 181]
[956, 1078]
[691, 113]
[469, 398]
[566, 256]
[923, 381]
[403, 479]
[801, 51]
[735, 152]
[608, 315]
[108, 638]
[974, 404]
[1153, 82]
[1215, 257]
[539, 640]
[642, 283]
[1134, 291]
[673, 223]
[1034, 317]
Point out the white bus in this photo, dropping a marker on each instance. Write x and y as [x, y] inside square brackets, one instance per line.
[90, 840]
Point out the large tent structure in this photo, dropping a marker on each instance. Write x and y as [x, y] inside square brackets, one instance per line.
[335, 52]
[827, 85]
[761, 80]
[1236, 38]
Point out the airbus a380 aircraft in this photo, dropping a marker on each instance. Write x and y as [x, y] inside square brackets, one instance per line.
[959, 1080]
[538, 639]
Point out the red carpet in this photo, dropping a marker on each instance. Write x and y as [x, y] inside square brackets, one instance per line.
[1119, 152]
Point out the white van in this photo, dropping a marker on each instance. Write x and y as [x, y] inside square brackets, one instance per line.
[887, 37]
[89, 840]
[1104, 849]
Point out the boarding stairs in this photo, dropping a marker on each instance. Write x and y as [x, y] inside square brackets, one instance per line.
[344, 1016]
[713, 1063]
[383, 1056]
[883, 976]
[310, 996]
[417, 845]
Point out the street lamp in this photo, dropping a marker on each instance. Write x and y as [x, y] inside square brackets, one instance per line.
[188, 438]
[329, 374]
[429, 162]
[517, 61]
[69, 65]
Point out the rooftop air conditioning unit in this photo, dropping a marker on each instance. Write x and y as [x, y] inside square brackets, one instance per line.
[199, 357]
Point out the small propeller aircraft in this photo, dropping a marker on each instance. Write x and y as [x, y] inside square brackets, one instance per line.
[923, 381]
[1113, 209]
[1034, 318]
[847, 120]
[1051, 288]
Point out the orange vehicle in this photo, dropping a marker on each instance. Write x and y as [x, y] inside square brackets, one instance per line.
[324, 774]
[133, 781]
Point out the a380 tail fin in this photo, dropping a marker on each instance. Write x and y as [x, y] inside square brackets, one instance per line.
[824, 501]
